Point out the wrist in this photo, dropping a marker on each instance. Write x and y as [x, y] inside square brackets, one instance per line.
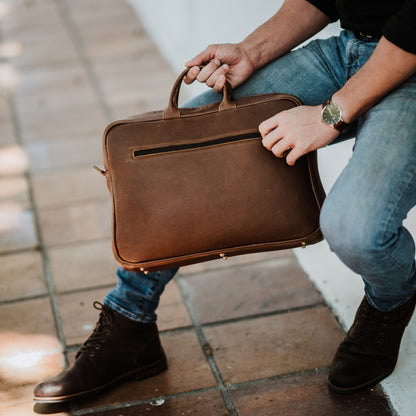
[250, 53]
[348, 113]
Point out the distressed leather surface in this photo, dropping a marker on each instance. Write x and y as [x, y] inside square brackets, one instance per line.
[180, 205]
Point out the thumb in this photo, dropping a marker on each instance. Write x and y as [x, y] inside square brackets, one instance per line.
[201, 58]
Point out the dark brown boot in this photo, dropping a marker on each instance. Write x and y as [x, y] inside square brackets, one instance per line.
[119, 348]
[370, 349]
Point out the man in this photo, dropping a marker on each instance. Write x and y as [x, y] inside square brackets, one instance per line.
[362, 81]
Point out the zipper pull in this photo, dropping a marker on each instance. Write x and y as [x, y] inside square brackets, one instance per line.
[103, 172]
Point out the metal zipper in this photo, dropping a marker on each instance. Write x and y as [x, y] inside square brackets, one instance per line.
[188, 146]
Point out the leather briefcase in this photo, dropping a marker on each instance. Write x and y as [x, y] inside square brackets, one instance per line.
[196, 184]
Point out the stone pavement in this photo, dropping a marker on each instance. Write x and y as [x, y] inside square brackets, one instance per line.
[249, 337]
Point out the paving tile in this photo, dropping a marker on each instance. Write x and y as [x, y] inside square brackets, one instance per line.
[13, 160]
[119, 24]
[77, 125]
[68, 98]
[171, 312]
[5, 113]
[83, 265]
[18, 401]
[209, 403]
[46, 53]
[130, 69]
[50, 155]
[249, 290]
[148, 94]
[305, 394]
[15, 398]
[17, 228]
[51, 78]
[88, 15]
[274, 345]
[15, 189]
[74, 223]
[158, 78]
[7, 133]
[284, 255]
[29, 348]
[117, 48]
[79, 305]
[66, 187]
[21, 276]
[188, 370]
[27, 409]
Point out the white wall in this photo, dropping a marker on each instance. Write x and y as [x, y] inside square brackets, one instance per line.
[183, 28]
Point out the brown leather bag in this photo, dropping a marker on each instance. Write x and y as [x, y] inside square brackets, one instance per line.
[190, 185]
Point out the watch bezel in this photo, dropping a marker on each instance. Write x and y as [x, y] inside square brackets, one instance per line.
[325, 108]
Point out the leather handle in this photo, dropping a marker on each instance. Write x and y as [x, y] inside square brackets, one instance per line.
[172, 110]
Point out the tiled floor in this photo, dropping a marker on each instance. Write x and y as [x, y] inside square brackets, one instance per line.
[249, 337]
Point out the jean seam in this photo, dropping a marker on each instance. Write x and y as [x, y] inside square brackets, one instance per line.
[126, 313]
[408, 179]
[325, 66]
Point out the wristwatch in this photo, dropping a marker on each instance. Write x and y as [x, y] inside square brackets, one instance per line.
[331, 115]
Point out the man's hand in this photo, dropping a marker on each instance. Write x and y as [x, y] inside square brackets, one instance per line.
[295, 132]
[224, 62]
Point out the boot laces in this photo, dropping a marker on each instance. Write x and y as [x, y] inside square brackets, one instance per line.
[101, 331]
[372, 324]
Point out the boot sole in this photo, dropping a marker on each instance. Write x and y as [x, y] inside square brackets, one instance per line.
[357, 389]
[144, 372]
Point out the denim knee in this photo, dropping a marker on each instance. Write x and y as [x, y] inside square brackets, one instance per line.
[356, 237]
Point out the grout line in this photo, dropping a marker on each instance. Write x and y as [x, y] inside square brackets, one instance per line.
[124, 405]
[105, 199]
[45, 261]
[211, 361]
[278, 261]
[78, 43]
[23, 299]
[263, 315]
[20, 250]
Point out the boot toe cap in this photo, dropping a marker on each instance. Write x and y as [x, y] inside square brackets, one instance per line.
[53, 388]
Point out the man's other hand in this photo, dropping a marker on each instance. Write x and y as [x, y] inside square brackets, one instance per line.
[224, 62]
[295, 132]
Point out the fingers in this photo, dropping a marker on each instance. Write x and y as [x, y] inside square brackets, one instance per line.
[208, 70]
[268, 125]
[213, 74]
[190, 77]
[217, 79]
[274, 139]
[269, 130]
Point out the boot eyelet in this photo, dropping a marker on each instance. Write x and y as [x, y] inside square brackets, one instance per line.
[108, 332]
[92, 353]
[97, 347]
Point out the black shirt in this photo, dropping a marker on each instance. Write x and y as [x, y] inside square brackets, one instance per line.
[395, 19]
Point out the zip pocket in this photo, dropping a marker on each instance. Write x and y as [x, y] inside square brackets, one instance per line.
[198, 145]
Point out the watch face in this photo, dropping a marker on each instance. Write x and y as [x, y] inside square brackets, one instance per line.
[331, 114]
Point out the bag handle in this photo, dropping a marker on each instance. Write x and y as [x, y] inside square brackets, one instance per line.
[172, 110]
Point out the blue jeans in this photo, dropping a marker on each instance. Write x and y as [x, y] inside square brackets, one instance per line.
[363, 214]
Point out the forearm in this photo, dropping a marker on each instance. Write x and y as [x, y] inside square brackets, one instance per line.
[295, 22]
[386, 69]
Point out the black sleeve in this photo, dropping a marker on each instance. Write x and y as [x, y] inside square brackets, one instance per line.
[327, 7]
[401, 28]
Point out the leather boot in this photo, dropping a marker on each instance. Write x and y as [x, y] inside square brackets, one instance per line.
[370, 349]
[118, 349]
